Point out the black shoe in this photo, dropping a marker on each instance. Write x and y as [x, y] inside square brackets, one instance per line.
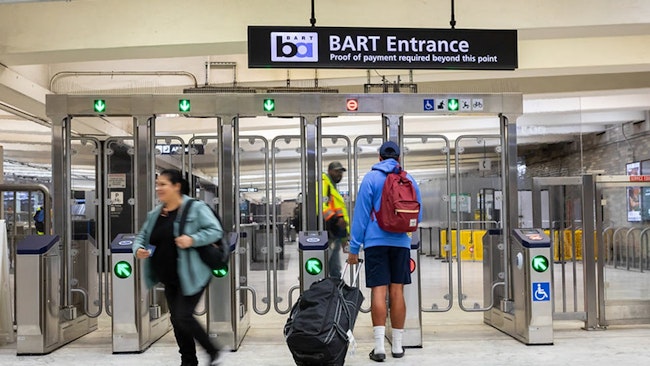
[378, 357]
[189, 361]
[398, 355]
[215, 359]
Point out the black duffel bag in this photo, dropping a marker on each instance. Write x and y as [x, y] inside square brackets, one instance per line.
[317, 329]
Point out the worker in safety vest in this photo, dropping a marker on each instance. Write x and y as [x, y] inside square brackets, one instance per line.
[335, 215]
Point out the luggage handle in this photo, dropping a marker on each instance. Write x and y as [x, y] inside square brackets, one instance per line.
[356, 274]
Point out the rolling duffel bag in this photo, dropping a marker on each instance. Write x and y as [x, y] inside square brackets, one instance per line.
[321, 321]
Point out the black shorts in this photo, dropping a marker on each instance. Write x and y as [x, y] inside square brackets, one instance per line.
[386, 265]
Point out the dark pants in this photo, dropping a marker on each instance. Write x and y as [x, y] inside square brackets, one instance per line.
[186, 327]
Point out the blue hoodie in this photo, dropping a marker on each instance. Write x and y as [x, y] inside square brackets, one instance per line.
[365, 230]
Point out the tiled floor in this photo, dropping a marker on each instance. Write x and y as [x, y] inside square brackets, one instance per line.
[454, 337]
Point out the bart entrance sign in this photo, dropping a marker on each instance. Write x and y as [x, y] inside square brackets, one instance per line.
[381, 48]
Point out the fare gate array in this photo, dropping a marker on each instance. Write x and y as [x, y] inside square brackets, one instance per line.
[227, 109]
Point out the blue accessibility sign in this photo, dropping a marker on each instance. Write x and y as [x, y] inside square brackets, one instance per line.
[429, 105]
[541, 291]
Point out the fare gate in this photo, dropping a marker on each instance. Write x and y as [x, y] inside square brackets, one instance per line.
[528, 316]
[412, 337]
[137, 322]
[310, 108]
[226, 301]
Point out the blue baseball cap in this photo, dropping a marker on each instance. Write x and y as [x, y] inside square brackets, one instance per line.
[389, 149]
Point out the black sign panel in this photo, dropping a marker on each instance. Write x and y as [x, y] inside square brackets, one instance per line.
[381, 48]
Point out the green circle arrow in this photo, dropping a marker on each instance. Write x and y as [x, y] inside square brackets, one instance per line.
[540, 263]
[123, 269]
[313, 266]
[220, 272]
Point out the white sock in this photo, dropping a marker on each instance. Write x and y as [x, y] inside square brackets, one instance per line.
[397, 341]
[379, 332]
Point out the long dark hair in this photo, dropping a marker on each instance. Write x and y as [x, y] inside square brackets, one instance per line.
[175, 176]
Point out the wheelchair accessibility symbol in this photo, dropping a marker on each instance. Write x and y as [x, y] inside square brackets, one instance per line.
[541, 291]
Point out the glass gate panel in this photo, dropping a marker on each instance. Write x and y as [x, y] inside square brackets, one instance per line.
[426, 158]
[88, 250]
[285, 172]
[478, 169]
[254, 189]
[626, 240]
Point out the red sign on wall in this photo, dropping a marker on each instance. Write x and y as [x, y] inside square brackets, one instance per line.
[639, 178]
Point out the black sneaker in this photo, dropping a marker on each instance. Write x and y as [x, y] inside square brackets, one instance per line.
[377, 357]
[215, 359]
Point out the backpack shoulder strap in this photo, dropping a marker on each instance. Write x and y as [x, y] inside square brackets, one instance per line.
[186, 209]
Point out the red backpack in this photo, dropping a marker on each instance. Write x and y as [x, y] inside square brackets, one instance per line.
[399, 209]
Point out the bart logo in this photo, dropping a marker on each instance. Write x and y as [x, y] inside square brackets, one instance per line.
[294, 47]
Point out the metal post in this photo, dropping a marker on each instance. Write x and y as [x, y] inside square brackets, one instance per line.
[393, 128]
[312, 185]
[61, 153]
[509, 184]
[312, 200]
[144, 170]
[588, 242]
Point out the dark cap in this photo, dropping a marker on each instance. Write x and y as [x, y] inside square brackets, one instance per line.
[336, 165]
[389, 149]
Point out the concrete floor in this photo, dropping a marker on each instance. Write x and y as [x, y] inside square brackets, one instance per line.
[454, 337]
[449, 339]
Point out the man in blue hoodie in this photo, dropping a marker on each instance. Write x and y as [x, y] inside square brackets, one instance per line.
[387, 254]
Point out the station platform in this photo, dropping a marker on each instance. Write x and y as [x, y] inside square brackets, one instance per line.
[455, 337]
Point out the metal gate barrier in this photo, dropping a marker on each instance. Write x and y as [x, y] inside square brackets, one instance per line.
[136, 324]
[139, 316]
[70, 270]
[527, 316]
[584, 249]
[227, 109]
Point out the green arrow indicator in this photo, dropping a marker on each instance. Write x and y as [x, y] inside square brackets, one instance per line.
[99, 106]
[269, 105]
[123, 269]
[540, 263]
[184, 105]
[313, 266]
[452, 104]
[220, 272]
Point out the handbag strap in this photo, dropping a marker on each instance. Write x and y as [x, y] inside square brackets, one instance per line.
[186, 209]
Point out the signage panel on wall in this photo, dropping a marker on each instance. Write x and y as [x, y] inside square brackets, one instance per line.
[381, 48]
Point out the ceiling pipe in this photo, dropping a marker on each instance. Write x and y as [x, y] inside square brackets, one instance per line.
[122, 73]
[30, 117]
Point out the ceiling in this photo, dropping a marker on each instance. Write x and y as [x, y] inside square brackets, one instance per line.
[584, 65]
